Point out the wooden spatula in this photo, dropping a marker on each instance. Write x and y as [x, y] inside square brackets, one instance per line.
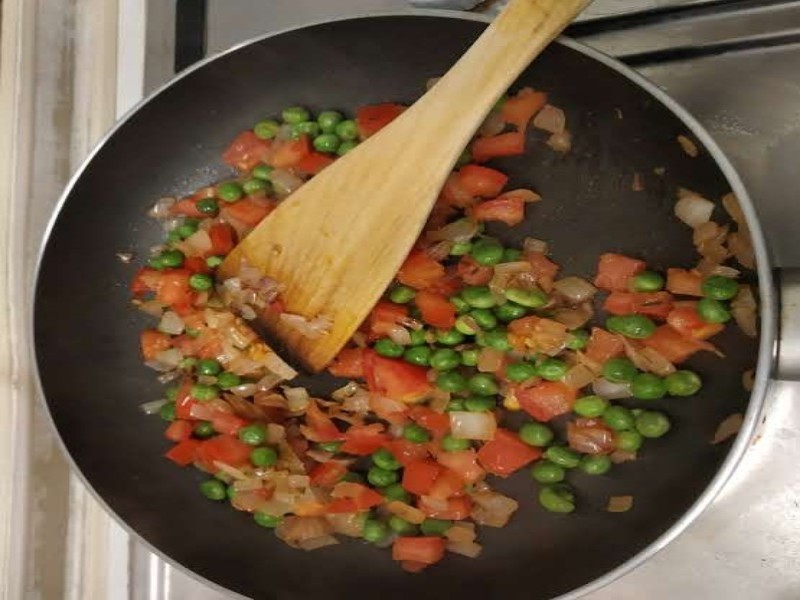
[337, 242]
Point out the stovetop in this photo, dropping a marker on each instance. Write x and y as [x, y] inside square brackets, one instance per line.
[734, 64]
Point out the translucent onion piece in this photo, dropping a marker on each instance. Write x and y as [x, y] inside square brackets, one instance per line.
[693, 209]
[297, 399]
[731, 204]
[533, 245]
[405, 511]
[647, 359]
[152, 407]
[284, 182]
[313, 329]
[561, 142]
[440, 251]
[161, 209]
[619, 504]
[199, 243]
[468, 549]
[462, 230]
[689, 147]
[152, 307]
[748, 379]
[317, 543]
[579, 377]
[574, 318]
[349, 524]
[461, 531]
[551, 119]
[169, 359]
[492, 508]
[611, 391]
[575, 289]
[472, 426]
[171, 323]
[622, 456]
[728, 428]
[741, 246]
[245, 390]
[399, 335]
[490, 360]
[743, 309]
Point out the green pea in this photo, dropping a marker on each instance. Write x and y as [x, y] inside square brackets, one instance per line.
[171, 259]
[484, 318]
[384, 459]
[418, 355]
[208, 206]
[253, 435]
[647, 386]
[266, 520]
[230, 492]
[718, 287]
[203, 392]
[552, 369]
[445, 359]
[189, 362]
[532, 298]
[478, 296]
[510, 311]
[171, 393]
[557, 498]
[595, 464]
[512, 255]
[402, 294]
[461, 248]
[483, 384]
[401, 526]
[637, 327]
[628, 441]
[546, 472]
[230, 191]
[213, 489]
[395, 492]
[264, 456]
[578, 339]
[267, 129]
[209, 367]
[497, 339]
[451, 444]
[255, 187]
[713, 311]
[214, 261]
[619, 370]
[435, 526]
[345, 147]
[460, 304]
[187, 228]
[456, 405]
[347, 130]
[652, 424]
[465, 326]
[416, 434]
[374, 531]
[683, 383]
[470, 357]
[382, 477]
[329, 119]
[173, 237]
[309, 128]
[204, 429]
[228, 380]
[201, 282]
[295, 114]
[648, 281]
[389, 348]
[451, 381]
[327, 142]
[332, 447]
[449, 337]
[487, 252]
[520, 371]
[167, 411]
[262, 171]
[590, 407]
[480, 403]
[536, 434]
[563, 456]
[618, 418]
[418, 337]
[354, 477]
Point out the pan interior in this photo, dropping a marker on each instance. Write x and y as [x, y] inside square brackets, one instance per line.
[86, 333]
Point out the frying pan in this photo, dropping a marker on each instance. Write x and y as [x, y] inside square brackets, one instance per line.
[86, 334]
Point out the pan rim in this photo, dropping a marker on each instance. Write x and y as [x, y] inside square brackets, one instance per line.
[767, 346]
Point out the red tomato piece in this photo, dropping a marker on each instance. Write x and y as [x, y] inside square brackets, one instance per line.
[152, 342]
[686, 320]
[482, 181]
[591, 436]
[146, 280]
[174, 289]
[615, 271]
[603, 346]
[506, 209]
[652, 304]
[353, 497]
[437, 423]
[472, 272]
[348, 363]
[186, 207]
[327, 474]
[685, 283]
[289, 153]
[225, 449]
[673, 346]
[196, 264]
[419, 476]
[341, 506]
[321, 425]
[178, 431]
[395, 378]
[464, 464]
[505, 144]
[184, 400]
[385, 317]
[246, 151]
[314, 162]
[407, 452]
[420, 271]
[362, 440]
[223, 238]
[447, 485]
[248, 211]
[454, 194]
[546, 400]
[371, 119]
[506, 453]
[436, 310]
[457, 509]
[544, 270]
[424, 550]
[228, 423]
[520, 109]
[183, 453]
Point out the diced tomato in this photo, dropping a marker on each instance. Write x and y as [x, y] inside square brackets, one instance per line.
[546, 400]
[348, 363]
[289, 153]
[321, 425]
[178, 431]
[685, 283]
[450, 284]
[603, 346]
[457, 509]
[225, 449]
[472, 272]
[186, 207]
[407, 452]
[184, 400]
[505, 144]
[196, 264]
[652, 304]
[544, 270]
[327, 474]
[248, 211]
[409, 566]
[314, 162]
[454, 194]
[153, 342]
[371, 119]
[448, 484]
[424, 550]
[363, 496]
[482, 181]
[520, 109]
[395, 378]
[174, 289]
[464, 464]
[385, 317]
[673, 346]
[145, 280]
[686, 320]
[388, 409]
[591, 436]
[228, 423]
[506, 209]
[420, 271]
[436, 310]
[419, 476]
[506, 453]
[246, 151]
[222, 238]
[183, 453]
[341, 506]
[615, 271]
[362, 440]
[437, 423]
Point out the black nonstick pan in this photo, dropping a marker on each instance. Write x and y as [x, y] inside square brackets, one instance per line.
[86, 334]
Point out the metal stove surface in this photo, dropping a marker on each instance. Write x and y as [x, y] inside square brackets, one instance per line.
[734, 64]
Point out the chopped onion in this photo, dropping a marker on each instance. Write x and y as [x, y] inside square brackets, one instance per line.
[275, 433]
[171, 323]
[297, 399]
[357, 403]
[245, 390]
[461, 531]
[199, 242]
[349, 524]
[748, 379]
[440, 251]
[169, 359]
[268, 382]
[434, 504]
[492, 125]
[574, 318]
[317, 543]
[622, 456]
[399, 335]
[345, 391]
[439, 400]
[472, 426]
[468, 549]
[275, 364]
[154, 308]
[313, 329]
[579, 377]
[462, 230]
[550, 119]
[284, 182]
[575, 289]
[741, 246]
[490, 360]
[688, 146]
[533, 245]
[405, 511]
[728, 428]
[731, 204]
[743, 309]
[169, 376]
[152, 407]
[561, 142]
[611, 391]
[125, 257]
[162, 208]
[693, 209]
[492, 508]
[647, 359]
[232, 471]
[619, 504]
[248, 485]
